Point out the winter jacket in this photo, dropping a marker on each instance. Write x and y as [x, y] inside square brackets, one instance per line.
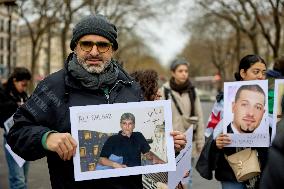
[273, 175]
[179, 122]
[48, 109]
[9, 103]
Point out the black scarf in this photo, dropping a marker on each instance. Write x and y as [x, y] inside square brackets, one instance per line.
[93, 81]
[185, 87]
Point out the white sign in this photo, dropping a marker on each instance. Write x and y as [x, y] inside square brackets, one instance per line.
[247, 139]
[9, 123]
[183, 162]
[20, 161]
[92, 126]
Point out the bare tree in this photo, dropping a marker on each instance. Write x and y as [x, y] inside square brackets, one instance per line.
[264, 14]
[212, 43]
[38, 16]
[252, 18]
[237, 15]
[125, 14]
[68, 10]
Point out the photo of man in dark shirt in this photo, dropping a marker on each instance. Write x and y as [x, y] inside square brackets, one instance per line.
[125, 148]
[248, 109]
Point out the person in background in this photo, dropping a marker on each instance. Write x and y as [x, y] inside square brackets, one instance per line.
[273, 176]
[251, 67]
[279, 65]
[12, 95]
[186, 106]
[148, 80]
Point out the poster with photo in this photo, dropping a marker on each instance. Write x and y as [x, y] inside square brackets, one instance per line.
[122, 139]
[277, 107]
[183, 162]
[246, 113]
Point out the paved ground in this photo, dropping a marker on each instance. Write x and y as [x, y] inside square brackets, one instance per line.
[39, 177]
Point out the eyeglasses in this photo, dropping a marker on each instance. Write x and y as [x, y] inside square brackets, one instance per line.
[102, 46]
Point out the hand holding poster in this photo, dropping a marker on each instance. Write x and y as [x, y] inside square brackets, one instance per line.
[113, 136]
[245, 113]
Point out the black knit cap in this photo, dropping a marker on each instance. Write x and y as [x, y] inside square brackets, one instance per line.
[97, 25]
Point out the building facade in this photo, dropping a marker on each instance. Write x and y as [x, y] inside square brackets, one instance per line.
[8, 39]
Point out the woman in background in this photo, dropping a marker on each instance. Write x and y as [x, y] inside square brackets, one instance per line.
[12, 95]
[251, 67]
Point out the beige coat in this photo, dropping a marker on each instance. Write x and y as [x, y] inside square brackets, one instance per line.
[179, 123]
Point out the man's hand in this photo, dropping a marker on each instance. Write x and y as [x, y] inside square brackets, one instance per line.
[63, 144]
[179, 140]
[117, 165]
[107, 162]
[222, 140]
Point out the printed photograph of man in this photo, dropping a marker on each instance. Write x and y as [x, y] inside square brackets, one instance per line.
[277, 121]
[280, 106]
[125, 148]
[248, 109]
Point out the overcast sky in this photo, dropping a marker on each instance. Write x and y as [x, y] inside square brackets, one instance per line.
[166, 38]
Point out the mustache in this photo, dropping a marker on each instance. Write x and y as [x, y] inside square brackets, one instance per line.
[249, 118]
[89, 56]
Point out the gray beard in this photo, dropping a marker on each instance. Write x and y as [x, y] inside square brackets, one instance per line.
[92, 68]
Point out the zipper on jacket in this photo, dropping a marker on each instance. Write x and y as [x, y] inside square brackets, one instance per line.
[124, 82]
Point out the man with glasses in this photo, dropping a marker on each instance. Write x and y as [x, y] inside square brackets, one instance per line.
[90, 77]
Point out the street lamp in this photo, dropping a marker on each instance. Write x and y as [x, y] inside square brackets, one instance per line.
[10, 4]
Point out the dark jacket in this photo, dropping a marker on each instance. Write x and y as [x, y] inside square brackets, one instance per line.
[9, 103]
[273, 175]
[212, 158]
[48, 109]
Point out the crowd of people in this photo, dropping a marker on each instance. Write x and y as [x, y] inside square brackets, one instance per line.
[91, 76]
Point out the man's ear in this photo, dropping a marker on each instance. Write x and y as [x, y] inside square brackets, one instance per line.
[113, 52]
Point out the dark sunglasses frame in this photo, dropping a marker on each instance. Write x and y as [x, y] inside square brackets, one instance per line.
[102, 46]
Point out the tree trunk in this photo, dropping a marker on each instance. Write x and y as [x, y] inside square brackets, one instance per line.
[33, 67]
[48, 63]
[253, 40]
[64, 33]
